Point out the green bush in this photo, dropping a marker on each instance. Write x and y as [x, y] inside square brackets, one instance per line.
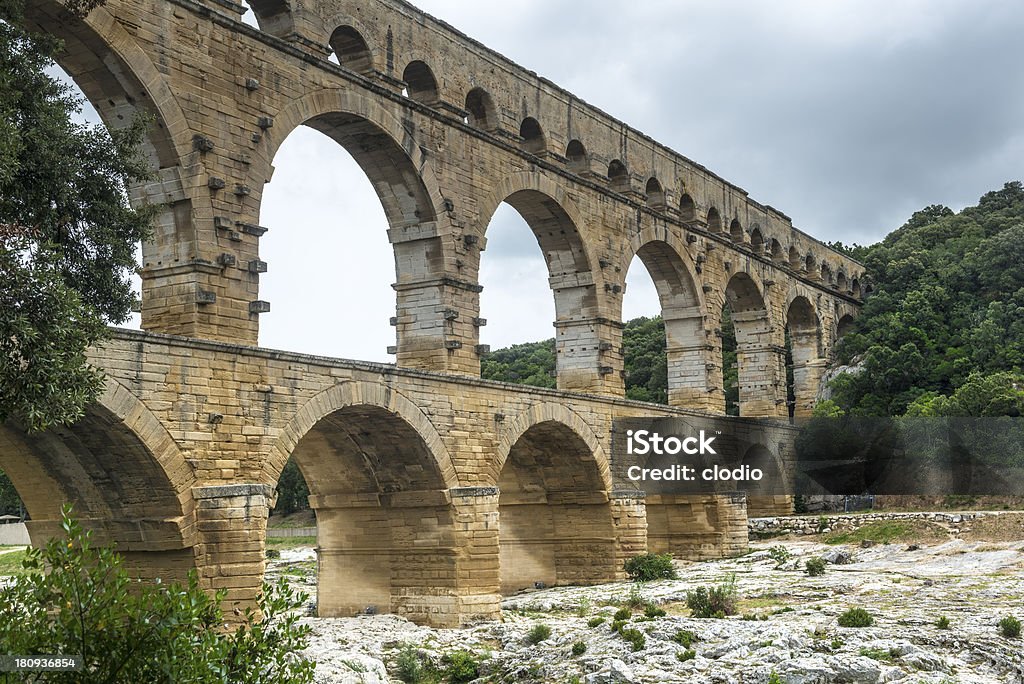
[595, 621]
[651, 566]
[579, 648]
[1009, 627]
[942, 622]
[273, 554]
[774, 678]
[127, 630]
[413, 668]
[460, 666]
[538, 633]
[684, 638]
[623, 614]
[815, 566]
[717, 601]
[779, 554]
[617, 625]
[688, 654]
[856, 617]
[653, 611]
[635, 638]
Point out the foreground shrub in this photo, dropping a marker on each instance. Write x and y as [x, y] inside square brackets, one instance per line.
[815, 566]
[684, 638]
[1009, 627]
[942, 622]
[460, 666]
[688, 654]
[717, 601]
[131, 631]
[413, 668]
[635, 637]
[856, 617]
[622, 614]
[779, 554]
[538, 633]
[595, 621]
[579, 648]
[653, 611]
[651, 566]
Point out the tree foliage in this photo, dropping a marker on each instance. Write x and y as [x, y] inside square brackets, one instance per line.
[77, 599]
[292, 491]
[67, 232]
[947, 310]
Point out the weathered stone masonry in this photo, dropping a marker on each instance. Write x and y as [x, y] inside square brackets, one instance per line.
[434, 491]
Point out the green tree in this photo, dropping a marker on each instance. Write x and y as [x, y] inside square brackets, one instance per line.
[643, 346]
[292, 490]
[67, 232]
[77, 599]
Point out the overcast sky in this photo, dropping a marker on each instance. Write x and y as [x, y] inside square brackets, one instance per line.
[846, 115]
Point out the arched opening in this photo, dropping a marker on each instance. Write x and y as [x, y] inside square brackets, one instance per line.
[714, 221]
[373, 186]
[532, 136]
[841, 282]
[758, 363]
[671, 368]
[805, 366]
[118, 485]
[384, 527]
[756, 241]
[556, 522]
[576, 157]
[482, 112]
[420, 83]
[618, 176]
[811, 265]
[776, 252]
[855, 288]
[826, 274]
[687, 209]
[519, 283]
[274, 16]
[655, 194]
[843, 326]
[351, 50]
[736, 231]
[796, 262]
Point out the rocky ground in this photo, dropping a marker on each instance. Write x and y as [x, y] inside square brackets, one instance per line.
[786, 630]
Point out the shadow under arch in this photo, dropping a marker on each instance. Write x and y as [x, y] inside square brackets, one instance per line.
[575, 283]
[556, 522]
[670, 267]
[122, 472]
[379, 478]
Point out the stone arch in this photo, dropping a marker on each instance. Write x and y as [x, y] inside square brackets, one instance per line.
[855, 287]
[736, 232]
[687, 208]
[555, 221]
[759, 361]
[123, 473]
[421, 84]
[775, 251]
[274, 16]
[842, 283]
[577, 158]
[756, 241]
[380, 480]
[119, 79]
[682, 305]
[714, 221]
[618, 176]
[803, 325]
[655, 193]
[826, 273]
[532, 136]
[556, 519]
[482, 112]
[844, 324]
[796, 262]
[351, 49]
[811, 265]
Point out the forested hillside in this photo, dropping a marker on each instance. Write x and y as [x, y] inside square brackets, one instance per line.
[946, 314]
